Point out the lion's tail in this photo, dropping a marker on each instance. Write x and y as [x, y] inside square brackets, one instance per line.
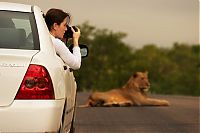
[88, 104]
[83, 106]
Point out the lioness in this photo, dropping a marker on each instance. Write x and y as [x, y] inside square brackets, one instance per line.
[132, 93]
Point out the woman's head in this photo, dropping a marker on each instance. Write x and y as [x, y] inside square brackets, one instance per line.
[56, 21]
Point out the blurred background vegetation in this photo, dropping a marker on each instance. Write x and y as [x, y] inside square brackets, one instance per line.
[173, 70]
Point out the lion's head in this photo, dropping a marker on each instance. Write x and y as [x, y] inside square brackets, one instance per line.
[139, 81]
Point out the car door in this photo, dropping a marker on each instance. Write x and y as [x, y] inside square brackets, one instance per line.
[70, 92]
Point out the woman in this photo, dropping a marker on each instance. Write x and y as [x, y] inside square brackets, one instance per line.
[57, 21]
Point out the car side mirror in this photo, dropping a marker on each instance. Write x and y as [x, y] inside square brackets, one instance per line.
[83, 49]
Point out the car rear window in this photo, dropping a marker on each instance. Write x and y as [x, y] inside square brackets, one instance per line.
[18, 30]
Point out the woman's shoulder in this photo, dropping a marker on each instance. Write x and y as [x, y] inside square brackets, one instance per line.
[56, 40]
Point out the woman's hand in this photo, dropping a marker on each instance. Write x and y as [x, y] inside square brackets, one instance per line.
[76, 35]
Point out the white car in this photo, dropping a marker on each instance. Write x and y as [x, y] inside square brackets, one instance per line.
[37, 90]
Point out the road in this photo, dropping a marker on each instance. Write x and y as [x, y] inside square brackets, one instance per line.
[182, 116]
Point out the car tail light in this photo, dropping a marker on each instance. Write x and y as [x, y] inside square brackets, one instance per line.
[36, 84]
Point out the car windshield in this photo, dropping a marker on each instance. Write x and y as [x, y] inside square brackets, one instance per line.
[18, 31]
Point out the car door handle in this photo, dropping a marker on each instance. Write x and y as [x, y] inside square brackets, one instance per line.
[70, 69]
[65, 67]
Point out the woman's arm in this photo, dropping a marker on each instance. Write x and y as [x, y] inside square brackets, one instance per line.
[72, 60]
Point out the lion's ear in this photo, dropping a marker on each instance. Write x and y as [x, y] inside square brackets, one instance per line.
[135, 75]
[146, 72]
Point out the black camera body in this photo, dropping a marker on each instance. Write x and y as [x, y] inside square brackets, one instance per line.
[68, 32]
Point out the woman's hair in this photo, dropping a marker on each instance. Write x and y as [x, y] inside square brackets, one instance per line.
[55, 16]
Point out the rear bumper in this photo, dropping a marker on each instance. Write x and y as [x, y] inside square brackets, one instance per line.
[31, 116]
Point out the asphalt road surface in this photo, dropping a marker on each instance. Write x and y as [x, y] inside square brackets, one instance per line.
[183, 116]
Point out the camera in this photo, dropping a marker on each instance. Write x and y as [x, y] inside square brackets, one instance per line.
[68, 32]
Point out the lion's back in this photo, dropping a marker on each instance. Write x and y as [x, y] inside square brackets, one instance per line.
[114, 94]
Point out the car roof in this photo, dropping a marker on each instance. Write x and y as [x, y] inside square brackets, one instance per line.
[15, 7]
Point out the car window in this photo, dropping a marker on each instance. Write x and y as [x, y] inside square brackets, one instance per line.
[18, 30]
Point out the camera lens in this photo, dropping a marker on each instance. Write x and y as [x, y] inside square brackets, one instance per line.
[68, 32]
